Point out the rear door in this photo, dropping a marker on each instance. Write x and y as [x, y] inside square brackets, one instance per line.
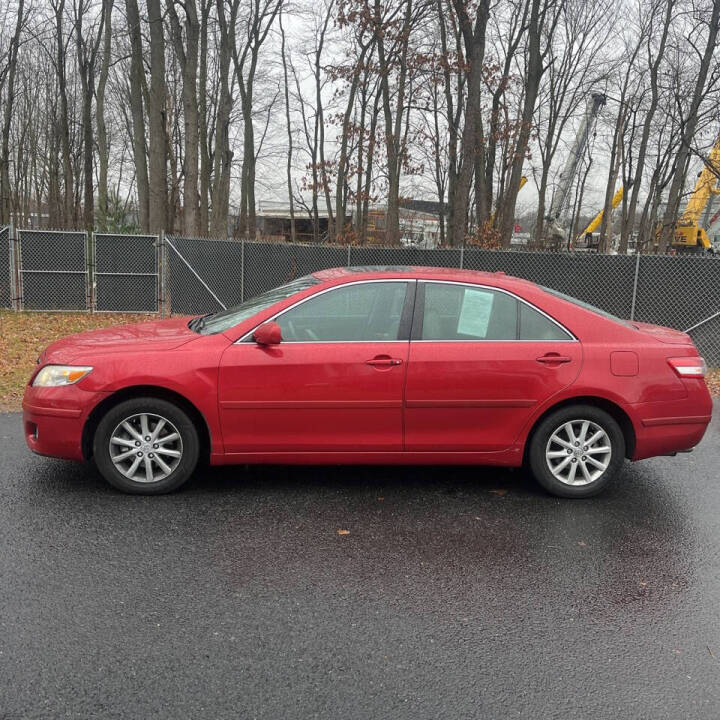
[480, 361]
[334, 383]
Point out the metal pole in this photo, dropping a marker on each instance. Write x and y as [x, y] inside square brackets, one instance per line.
[161, 267]
[242, 269]
[348, 255]
[91, 251]
[11, 268]
[462, 256]
[635, 284]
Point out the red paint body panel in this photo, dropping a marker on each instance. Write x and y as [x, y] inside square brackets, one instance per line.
[442, 402]
[477, 396]
[312, 396]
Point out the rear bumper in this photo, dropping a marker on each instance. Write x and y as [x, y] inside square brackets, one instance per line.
[671, 427]
[54, 418]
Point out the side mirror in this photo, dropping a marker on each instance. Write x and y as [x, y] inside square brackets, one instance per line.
[268, 333]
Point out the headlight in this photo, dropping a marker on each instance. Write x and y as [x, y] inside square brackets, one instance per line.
[55, 375]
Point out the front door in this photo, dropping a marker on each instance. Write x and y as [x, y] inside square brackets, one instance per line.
[480, 362]
[334, 383]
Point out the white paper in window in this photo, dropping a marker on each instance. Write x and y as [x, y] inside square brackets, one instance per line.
[475, 313]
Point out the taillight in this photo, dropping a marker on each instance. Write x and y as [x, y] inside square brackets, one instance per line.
[688, 367]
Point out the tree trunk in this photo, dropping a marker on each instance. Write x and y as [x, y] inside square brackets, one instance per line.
[63, 121]
[102, 139]
[156, 116]
[188, 56]
[629, 225]
[205, 165]
[5, 204]
[137, 79]
[474, 40]
[223, 154]
[291, 200]
[340, 210]
[534, 71]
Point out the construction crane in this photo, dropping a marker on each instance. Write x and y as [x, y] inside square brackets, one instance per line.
[557, 216]
[689, 236]
[586, 236]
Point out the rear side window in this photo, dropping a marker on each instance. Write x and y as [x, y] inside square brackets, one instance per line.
[459, 312]
[535, 326]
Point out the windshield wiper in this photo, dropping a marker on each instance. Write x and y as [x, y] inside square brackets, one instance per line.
[198, 323]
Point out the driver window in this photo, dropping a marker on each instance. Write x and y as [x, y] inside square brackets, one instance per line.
[367, 312]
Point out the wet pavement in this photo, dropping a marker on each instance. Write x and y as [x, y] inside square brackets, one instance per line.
[456, 593]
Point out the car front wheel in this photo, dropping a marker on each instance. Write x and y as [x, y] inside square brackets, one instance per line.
[576, 451]
[146, 446]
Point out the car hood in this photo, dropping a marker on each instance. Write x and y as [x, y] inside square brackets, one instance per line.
[154, 335]
[664, 334]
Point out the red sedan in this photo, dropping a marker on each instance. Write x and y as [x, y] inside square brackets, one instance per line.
[374, 365]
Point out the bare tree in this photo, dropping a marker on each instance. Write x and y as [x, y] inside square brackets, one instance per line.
[187, 54]
[137, 83]
[8, 71]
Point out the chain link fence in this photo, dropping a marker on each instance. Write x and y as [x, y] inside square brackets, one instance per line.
[53, 270]
[6, 251]
[126, 273]
[145, 273]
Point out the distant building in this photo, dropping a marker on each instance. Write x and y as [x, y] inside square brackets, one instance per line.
[419, 223]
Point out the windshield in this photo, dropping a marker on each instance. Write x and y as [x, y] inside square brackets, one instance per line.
[588, 306]
[221, 321]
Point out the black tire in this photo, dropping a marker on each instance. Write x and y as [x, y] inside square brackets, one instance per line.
[539, 464]
[189, 444]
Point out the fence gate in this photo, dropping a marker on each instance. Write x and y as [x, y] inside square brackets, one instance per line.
[53, 270]
[126, 277]
[5, 265]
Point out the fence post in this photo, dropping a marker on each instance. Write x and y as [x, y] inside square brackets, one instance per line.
[11, 267]
[161, 270]
[635, 284]
[462, 256]
[15, 262]
[90, 261]
[348, 255]
[242, 269]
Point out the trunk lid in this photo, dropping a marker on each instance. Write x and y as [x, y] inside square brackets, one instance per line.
[664, 334]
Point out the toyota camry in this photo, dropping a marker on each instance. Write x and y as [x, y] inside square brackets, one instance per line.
[392, 365]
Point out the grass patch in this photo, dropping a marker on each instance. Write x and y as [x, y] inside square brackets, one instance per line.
[23, 336]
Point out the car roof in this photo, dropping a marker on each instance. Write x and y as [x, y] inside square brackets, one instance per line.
[375, 272]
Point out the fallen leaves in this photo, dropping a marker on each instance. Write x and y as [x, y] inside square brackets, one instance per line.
[23, 336]
[343, 532]
[713, 381]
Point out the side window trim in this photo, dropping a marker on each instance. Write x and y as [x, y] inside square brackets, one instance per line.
[417, 325]
[408, 307]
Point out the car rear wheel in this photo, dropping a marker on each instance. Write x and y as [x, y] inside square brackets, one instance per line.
[576, 451]
[146, 446]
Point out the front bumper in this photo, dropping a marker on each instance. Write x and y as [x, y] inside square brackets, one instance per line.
[54, 418]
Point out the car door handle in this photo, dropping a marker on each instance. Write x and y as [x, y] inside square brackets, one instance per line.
[553, 358]
[384, 360]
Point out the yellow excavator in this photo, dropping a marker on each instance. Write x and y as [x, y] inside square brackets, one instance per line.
[587, 239]
[689, 236]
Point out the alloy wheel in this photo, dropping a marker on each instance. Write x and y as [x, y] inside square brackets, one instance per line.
[145, 448]
[578, 452]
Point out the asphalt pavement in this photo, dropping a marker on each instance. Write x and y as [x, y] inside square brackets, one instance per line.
[450, 593]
